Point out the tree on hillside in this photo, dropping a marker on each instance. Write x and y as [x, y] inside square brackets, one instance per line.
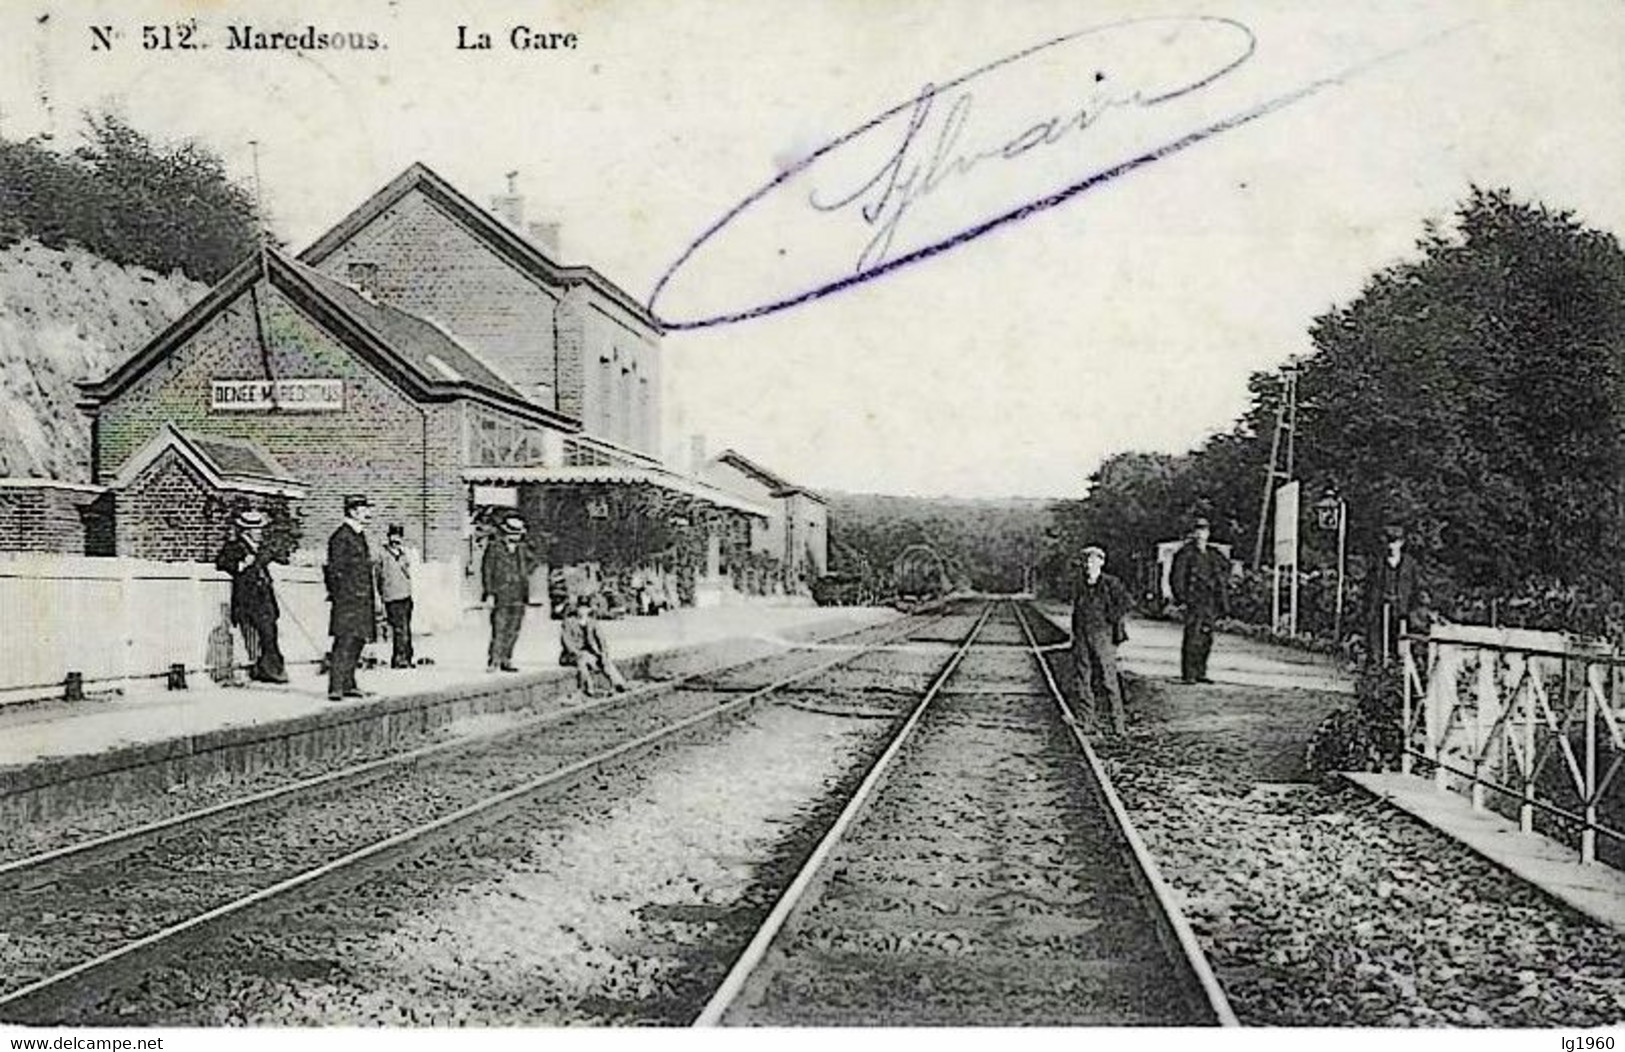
[1476, 394]
[130, 200]
[989, 544]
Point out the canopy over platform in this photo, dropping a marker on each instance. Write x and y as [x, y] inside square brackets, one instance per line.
[669, 482]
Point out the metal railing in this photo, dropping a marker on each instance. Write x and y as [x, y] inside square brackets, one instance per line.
[1533, 718]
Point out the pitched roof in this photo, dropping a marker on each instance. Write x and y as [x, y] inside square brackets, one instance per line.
[780, 486]
[225, 463]
[410, 351]
[231, 456]
[421, 341]
[492, 231]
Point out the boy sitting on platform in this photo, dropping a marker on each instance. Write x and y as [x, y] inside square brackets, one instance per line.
[583, 646]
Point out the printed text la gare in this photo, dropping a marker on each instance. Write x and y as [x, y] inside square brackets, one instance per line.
[519, 38]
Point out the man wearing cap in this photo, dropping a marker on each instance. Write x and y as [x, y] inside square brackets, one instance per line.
[1392, 599]
[1098, 611]
[1201, 582]
[394, 571]
[354, 620]
[582, 646]
[254, 607]
[505, 580]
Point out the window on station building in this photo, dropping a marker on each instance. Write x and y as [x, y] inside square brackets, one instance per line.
[628, 378]
[500, 442]
[645, 429]
[604, 392]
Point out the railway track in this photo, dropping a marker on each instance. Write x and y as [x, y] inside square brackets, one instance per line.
[87, 918]
[983, 872]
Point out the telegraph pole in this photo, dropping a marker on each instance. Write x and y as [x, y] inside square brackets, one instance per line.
[1285, 433]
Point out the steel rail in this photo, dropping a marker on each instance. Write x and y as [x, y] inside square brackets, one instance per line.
[136, 836]
[1170, 919]
[100, 967]
[756, 950]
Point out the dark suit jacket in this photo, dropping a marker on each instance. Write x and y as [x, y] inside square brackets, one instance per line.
[253, 596]
[504, 574]
[1103, 606]
[1201, 580]
[350, 587]
[1399, 583]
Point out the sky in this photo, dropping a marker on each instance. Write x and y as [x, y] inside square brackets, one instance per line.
[1126, 316]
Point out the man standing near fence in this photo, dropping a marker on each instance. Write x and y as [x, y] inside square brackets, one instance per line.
[254, 607]
[1098, 611]
[505, 580]
[1393, 596]
[354, 620]
[1200, 580]
[394, 569]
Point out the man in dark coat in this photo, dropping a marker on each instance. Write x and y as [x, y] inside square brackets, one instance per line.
[505, 580]
[254, 607]
[354, 620]
[582, 646]
[1201, 582]
[1392, 599]
[1098, 611]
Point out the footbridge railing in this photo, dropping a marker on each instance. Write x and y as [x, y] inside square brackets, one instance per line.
[1531, 723]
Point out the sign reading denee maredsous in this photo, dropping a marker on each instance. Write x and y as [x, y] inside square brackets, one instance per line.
[304, 396]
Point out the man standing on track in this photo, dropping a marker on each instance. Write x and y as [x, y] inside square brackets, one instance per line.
[354, 620]
[505, 580]
[254, 607]
[1201, 582]
[1098, 611]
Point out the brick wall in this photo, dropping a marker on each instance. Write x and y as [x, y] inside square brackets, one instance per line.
[376, 445]
[809, 532]
[55, 519]
[532, 333]
[572, 353]
[167, 513]
[433, 267]
[609, 347]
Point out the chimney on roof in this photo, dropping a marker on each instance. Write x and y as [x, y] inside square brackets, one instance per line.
[545, 236]
[696, 454]
[510, 207]
[363, 275]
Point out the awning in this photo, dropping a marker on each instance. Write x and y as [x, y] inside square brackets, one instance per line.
[614, 474]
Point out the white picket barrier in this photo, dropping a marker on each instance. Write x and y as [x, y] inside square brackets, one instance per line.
[113, 620]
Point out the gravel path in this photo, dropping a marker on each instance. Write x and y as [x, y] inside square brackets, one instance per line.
[1325, 907]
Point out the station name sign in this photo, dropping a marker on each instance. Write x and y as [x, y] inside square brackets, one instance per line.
[300, 396]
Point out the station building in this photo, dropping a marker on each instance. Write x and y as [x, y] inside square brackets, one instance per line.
[795, 533]
[433, 356]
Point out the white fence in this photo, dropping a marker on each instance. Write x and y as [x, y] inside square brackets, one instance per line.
[1531, 718]
[117, 619]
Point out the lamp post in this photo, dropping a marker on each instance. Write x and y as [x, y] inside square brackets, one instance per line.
[1332, 513]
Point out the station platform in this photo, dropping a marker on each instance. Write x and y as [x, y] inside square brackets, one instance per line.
[1595, 890]
[1152, 650]
[57, 741]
